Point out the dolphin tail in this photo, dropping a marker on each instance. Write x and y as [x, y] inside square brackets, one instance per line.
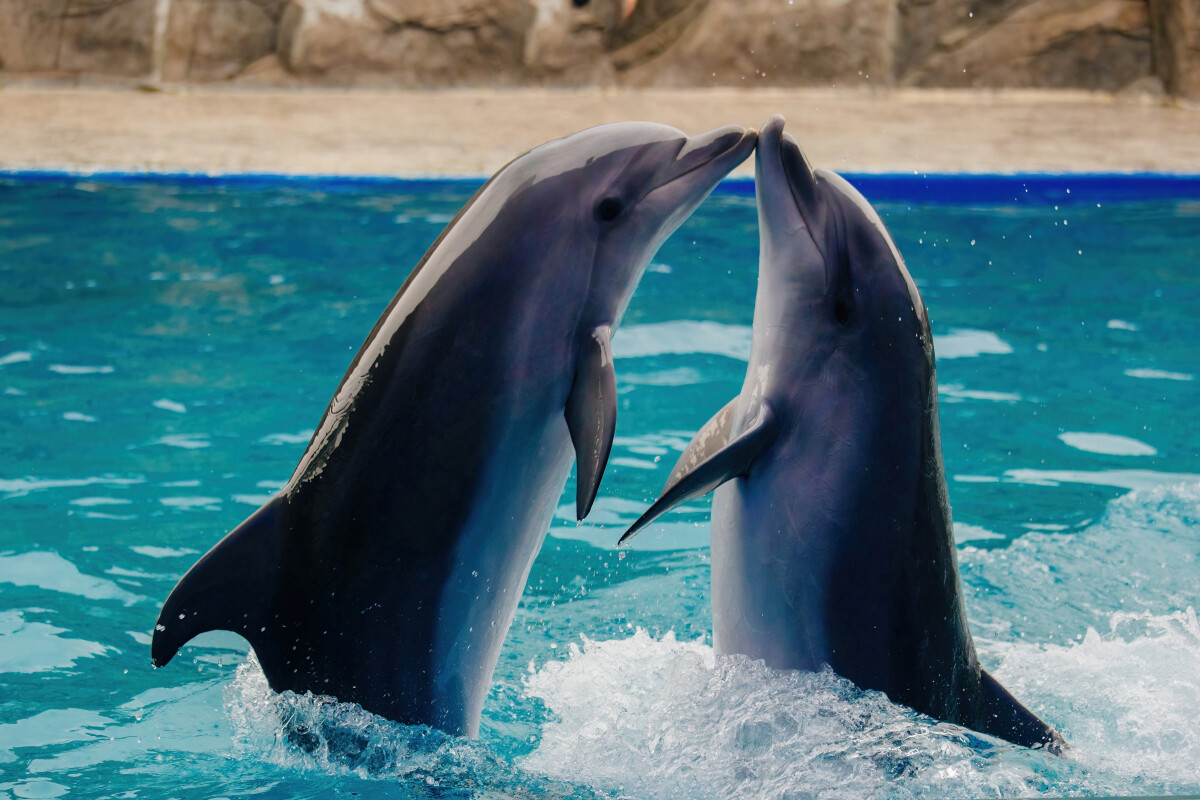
[592, 416]
[229, 588]
[710, 460]
[1004, 717]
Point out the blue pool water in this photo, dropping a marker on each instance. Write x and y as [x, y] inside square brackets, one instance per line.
[166, 349]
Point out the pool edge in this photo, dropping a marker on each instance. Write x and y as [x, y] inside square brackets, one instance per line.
[974, 188]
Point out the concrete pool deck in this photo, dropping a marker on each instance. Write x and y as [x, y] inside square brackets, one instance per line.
[474, 132]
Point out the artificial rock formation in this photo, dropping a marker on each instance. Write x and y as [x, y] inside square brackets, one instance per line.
[772, 43]
[103, 37]
[209, 40]
[1091, 44]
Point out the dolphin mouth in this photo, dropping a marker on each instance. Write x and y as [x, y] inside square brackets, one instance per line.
[716, 153]
[790, 202]
[780, 160]
[701, 163]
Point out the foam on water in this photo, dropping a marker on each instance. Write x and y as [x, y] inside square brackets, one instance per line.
[660, 718]
[648, 717]
[1140, 558]
[306, 733]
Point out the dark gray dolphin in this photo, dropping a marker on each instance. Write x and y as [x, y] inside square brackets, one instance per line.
[388, 569]
[831, 533]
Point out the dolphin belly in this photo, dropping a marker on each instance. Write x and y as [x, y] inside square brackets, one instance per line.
[763, 606]
[494, 554]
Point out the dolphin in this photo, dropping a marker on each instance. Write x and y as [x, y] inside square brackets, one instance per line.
[831, 534]
[388, 569]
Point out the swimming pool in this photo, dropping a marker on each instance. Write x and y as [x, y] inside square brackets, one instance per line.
[167, 345]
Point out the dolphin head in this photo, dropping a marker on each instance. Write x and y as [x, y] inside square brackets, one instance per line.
[623, 189]
[831, 281]
[843, 354]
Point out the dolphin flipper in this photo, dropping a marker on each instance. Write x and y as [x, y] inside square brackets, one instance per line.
[230, 588]
[711, 438]
[728, 461]
[592, 415]
[1006, 718]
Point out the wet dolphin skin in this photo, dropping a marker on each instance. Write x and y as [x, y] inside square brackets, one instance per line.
[388, 569]
[831, 534]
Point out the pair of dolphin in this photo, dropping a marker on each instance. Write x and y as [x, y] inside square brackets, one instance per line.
[388, 569]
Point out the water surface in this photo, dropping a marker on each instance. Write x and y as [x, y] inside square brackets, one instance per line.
[165, 351]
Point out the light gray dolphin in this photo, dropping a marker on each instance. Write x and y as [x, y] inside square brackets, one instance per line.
[831, 534]
[388, 570]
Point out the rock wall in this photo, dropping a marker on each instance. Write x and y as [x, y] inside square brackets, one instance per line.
[105, 37]
[1091, 44]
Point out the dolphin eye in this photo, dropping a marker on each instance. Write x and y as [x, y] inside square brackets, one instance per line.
[609, 209]
[841, 312]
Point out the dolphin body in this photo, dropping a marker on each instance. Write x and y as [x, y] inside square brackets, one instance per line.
[388, 569]
[831, 534]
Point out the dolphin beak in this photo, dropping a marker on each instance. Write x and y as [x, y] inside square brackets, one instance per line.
[780, 160]
[682, 184]
[791, 214]
[770, 181]
[713, 153]
[777, 205]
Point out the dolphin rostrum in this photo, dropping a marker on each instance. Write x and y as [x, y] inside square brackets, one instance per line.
[831, 534]
[388, 569]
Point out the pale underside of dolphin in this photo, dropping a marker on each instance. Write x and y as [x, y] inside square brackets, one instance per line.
[388, 569]
[831, 534]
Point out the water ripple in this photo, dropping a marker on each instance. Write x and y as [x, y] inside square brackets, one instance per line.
[52, 572]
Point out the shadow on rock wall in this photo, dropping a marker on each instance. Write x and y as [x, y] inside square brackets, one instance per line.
[1090, 44]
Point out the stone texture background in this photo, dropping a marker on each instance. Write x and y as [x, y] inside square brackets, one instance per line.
[1110, 45]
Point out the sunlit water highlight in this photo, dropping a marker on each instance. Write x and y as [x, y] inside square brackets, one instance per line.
[166, 350]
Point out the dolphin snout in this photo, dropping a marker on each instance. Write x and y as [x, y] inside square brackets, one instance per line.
[771, 131]
[730, 145]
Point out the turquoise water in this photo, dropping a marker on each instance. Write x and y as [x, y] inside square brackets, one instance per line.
[165, 351]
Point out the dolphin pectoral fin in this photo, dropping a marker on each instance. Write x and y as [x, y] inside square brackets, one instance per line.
[592, 416]
[729, 461]
[227, 589]
[1005, 718]
[711, 438]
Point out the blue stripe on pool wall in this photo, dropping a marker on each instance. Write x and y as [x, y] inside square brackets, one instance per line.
[985, 189]
[981, 189]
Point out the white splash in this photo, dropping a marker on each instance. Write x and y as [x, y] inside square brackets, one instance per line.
[662, 718]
